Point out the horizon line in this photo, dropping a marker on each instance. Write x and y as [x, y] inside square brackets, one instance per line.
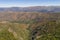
[29, 6]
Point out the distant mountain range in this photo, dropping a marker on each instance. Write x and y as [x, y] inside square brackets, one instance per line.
[32, 9]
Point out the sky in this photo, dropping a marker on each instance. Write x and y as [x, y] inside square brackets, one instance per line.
[26, 3]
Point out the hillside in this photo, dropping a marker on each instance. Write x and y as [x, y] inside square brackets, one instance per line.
[28, 16]
[29, 26]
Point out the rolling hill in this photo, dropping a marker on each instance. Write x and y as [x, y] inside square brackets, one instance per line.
[30, 23]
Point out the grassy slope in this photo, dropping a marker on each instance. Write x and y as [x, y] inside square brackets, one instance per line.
[40, 31]
[13, 31]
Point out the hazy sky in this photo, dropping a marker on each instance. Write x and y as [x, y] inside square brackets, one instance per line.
[24, 3]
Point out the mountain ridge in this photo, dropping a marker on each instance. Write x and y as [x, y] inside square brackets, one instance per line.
[32, 9]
